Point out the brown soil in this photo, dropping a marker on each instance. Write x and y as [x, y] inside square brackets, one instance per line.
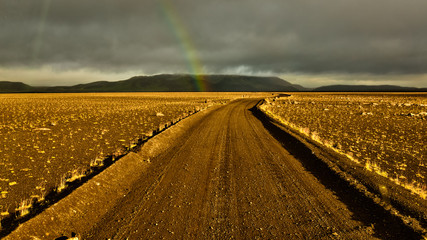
[221, 175]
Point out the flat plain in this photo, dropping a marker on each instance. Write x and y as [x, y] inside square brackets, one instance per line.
[387, 133]
[49, 138]
[233, 171]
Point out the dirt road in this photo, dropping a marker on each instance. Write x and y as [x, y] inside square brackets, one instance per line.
[228, 178]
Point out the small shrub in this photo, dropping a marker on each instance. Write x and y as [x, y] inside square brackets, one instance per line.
[96, 162]
[62, 184]
[76, 174]
[24, 207]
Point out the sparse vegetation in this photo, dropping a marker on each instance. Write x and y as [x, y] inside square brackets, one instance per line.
[62, 184]
[24, 207]
[54, 139]
[386, 133]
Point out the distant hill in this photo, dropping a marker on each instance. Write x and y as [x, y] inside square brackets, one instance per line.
[367, 88]
[189, 83]
[235, 83]
[12, 87]
[171, 83]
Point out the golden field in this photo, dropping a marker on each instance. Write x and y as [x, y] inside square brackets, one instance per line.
[387, 133]
[48, 140]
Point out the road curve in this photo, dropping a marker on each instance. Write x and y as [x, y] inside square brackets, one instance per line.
[228, 178]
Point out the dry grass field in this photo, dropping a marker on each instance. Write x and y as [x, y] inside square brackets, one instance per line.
[48, 140]
[387, 133]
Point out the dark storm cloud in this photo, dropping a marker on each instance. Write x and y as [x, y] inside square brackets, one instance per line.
[278, 36]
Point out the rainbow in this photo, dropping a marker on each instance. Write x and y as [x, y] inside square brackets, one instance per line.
[187, 46]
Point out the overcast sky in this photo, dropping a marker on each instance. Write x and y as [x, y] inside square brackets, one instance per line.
[307, 42]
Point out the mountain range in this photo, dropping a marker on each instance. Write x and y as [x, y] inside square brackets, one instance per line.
[168, 83]
[192, 83]
[367, 88]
